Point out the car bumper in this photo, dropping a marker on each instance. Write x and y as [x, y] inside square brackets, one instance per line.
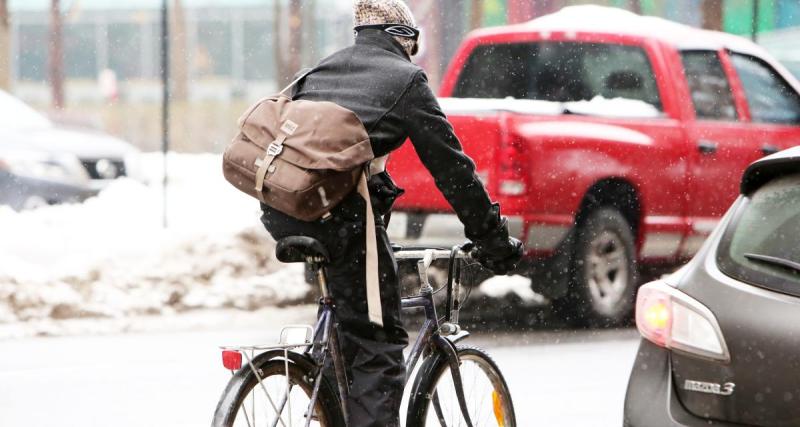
[446, 230]
[19, 192]
[651, 400]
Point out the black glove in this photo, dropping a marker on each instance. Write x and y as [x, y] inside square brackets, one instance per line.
[383, 192]
[497, 251]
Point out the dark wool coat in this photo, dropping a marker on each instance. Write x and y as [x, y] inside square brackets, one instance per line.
[376, 80]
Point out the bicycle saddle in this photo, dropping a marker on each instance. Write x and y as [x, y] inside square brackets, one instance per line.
[299, 248]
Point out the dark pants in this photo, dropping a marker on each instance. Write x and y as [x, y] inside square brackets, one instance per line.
[373, 355]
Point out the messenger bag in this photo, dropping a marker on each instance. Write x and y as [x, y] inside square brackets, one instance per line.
[302, 158]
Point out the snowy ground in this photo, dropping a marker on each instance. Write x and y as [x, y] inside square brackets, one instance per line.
[573, 378]
[105, 264]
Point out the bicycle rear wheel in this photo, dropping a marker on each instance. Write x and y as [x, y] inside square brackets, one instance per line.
[247, 402]
[486, 392]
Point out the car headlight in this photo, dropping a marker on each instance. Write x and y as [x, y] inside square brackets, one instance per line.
[64, 168]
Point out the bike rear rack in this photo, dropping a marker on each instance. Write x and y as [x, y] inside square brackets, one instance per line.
[232, 360]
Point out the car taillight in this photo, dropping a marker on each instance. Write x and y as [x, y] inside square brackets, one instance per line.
[231, 360]
[669, 318]
[512, 169]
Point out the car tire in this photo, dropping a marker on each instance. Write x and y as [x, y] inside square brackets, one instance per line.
[603, 272]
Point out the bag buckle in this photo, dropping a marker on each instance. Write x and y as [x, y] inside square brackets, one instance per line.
[274, 149]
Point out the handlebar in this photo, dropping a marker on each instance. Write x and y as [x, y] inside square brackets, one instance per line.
[433, 253]
[426, 257]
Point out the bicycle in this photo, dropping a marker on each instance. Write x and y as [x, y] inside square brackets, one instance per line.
[284, 385]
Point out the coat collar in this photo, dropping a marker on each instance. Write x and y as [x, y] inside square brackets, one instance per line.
[383, 40]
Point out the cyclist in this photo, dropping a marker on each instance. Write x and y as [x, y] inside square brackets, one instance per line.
[376, 79]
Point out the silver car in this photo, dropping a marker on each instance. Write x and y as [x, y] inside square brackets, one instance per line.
[43, 163]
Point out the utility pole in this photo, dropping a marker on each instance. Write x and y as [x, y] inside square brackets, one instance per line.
[56, 54]
[164, 101]
[756, 18]
[5, 46]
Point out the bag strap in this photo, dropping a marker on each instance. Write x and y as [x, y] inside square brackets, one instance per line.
[303, 75]
[373, 282]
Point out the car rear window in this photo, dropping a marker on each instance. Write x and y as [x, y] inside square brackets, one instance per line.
[762, 244]
[559, 72]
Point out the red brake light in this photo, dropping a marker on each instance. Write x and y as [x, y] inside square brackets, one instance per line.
[654, 315]
[231, 360]
[674, 320]
[513, 167]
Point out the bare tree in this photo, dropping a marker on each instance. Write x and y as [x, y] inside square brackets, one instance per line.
[310, 44]
[295, 35]
[712, 15]
[178, 61]
[56, 55]
[476, 14]
[5, 46]
[636, 6]
[287, 55]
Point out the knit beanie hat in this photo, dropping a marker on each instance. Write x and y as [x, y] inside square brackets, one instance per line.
[371, 12]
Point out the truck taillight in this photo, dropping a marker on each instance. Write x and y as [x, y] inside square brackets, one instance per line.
[671, 319]
[512, 169]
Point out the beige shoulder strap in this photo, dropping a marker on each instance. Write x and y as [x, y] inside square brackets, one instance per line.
[378, 165]
[373, 284]
[297, 80]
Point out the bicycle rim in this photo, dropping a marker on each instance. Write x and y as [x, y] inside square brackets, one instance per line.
[485, 390]
[259, 403]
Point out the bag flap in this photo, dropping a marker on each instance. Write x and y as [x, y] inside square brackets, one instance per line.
[320, 135]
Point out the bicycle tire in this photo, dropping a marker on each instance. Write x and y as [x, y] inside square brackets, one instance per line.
[435, 372]
[244, 381]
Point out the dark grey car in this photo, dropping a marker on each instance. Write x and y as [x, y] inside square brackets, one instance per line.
[721, 337]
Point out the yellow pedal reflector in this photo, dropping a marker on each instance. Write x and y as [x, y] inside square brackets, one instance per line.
[498, 409]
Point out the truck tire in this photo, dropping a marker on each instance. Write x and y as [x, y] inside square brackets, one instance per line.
[602, 289]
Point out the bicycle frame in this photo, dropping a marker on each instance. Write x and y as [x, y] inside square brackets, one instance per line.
[324, 340]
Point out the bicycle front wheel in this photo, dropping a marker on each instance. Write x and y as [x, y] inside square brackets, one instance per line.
[435, 402]
[271, 399]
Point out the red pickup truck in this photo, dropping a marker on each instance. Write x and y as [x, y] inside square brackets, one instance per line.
[613, 143]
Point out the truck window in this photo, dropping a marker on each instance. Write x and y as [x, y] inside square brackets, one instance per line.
[770, 98]
[559, 72]
[709, 87]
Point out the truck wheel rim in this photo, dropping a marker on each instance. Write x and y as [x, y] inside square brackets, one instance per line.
[607, 272]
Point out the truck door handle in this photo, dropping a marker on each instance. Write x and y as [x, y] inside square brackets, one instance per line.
[768, 149]
[707, 147]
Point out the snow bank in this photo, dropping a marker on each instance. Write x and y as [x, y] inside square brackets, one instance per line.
[64, 267]
[502, 286]
[111, 256]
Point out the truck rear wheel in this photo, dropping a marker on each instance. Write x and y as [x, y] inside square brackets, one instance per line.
[603, 272]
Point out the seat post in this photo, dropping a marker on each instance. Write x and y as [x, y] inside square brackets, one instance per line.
[317, 263]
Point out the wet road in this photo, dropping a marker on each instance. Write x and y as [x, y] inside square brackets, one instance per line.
[571, 378]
